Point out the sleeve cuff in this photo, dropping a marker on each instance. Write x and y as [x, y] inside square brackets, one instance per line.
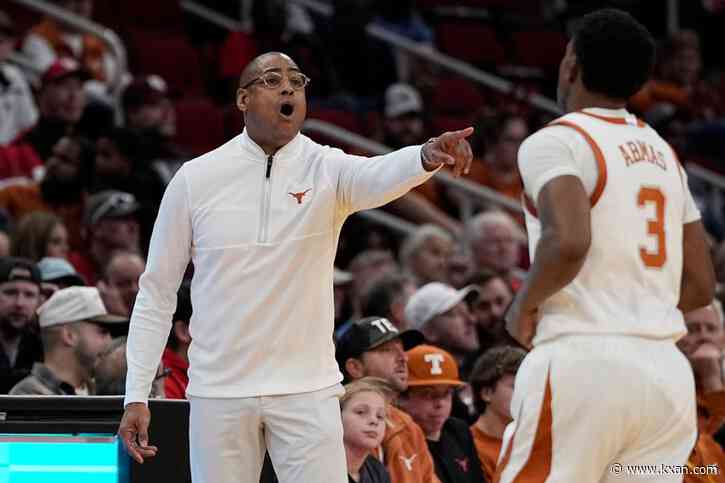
[536, 187]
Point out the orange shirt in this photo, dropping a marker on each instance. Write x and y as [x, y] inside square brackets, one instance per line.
[710, 416]
[482, 174]
[488, 449]
[405, 451]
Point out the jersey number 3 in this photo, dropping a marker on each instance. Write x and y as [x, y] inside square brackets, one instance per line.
[655, 227]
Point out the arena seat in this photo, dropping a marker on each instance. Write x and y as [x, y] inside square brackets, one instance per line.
[456, 96]
[543, 49]
[170, 56]
[473, 43]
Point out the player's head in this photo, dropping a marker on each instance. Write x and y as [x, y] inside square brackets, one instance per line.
[610, 54]
[272, 97]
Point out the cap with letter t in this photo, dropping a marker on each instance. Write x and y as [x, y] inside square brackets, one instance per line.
[369, 333]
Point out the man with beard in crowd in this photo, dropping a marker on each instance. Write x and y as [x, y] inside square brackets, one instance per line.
[19, 297]
[63, 189]
[75, 330]
[488, 309]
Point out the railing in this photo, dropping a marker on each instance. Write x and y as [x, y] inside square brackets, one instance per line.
[212, 16]
[704, 174]
[434, 56]
[108, 36]
[480, 193]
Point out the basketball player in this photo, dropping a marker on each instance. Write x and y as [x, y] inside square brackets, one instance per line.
[619, 252]
[260, 217]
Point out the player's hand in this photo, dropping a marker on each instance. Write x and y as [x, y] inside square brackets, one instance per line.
[520, 324]
[450, 148]
[134, 432]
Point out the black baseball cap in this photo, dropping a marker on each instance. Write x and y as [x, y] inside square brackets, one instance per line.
[15, 268]
[369, 333]
[110, 204]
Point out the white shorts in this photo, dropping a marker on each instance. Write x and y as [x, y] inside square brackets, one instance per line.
[301, 432]
[582, 405]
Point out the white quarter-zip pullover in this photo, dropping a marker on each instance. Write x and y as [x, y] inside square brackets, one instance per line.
[262, 232]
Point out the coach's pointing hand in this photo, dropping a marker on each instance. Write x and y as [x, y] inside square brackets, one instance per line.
[134, 432]
[450, 148]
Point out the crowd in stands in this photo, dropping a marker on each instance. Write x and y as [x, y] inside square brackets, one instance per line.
[419, 318]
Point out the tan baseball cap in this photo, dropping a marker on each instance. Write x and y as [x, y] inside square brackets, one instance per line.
[432, 366]
[76, 304]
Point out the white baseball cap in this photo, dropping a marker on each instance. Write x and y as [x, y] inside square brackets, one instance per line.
[432, 300]
[402, 99]
[75, 304]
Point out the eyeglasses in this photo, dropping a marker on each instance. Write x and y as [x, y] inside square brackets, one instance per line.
[273, 80]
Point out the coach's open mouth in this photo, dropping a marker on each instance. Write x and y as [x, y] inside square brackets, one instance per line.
[286, 109]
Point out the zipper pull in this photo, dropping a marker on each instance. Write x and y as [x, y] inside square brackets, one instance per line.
[269, 165]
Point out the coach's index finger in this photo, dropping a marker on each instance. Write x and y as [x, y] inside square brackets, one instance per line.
[455, 136]
[128, 436]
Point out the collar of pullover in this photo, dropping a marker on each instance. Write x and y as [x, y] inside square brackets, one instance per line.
[257, 154]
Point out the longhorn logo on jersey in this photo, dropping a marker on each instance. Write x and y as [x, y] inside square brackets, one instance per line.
[299, 196]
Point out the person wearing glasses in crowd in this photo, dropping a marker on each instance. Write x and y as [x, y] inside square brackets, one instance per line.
[260, 217]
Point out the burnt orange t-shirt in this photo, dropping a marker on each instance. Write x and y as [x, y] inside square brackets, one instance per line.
[488, 449]
[710, 416]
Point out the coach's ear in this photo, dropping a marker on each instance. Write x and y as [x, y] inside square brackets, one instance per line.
[354, 367]
[242, 99]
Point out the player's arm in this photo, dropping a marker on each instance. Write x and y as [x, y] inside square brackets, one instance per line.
[564, 212]
[698, 276]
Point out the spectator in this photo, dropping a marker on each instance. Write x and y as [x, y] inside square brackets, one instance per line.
[374, 347]
[363, 409]
[499, 137]
[703, 347]
[57, 273]
[110, 372]
[429, 399]
[365, 267]
[147, 107]
[148, 110]
[62, 191]
[120, 282]
[425, 254]
[40, 234]
[17, 106]
[123, 163]
[496, 240]
[678, 88]
[110, 225]
[19, 343]
[75, 330]
[492, 381]
[386, 297]
[110, 369]
[176, 354]
[61, 102]
[489, 308]
[404, 125]
[51, 39]
[441, 313]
